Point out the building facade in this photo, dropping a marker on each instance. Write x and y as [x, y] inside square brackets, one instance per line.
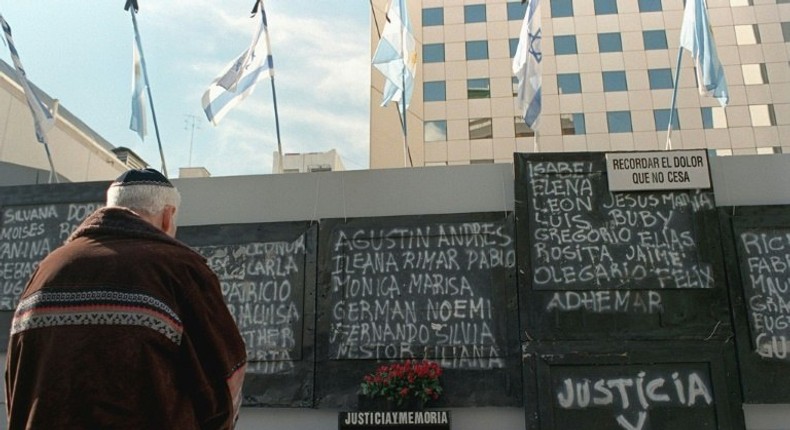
[79, 154]
[607, 81]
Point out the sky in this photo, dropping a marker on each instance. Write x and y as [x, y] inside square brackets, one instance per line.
[80, 52]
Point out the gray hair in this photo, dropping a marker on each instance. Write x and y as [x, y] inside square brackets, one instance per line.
[149, 199]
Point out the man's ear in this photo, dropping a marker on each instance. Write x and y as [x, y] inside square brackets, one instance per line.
[169, 220]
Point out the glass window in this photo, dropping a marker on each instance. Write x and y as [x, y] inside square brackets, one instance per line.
[565, 45]
[433, 53]
[432, 16]
[522, 129]
[481, 128]
[435, 91]
[561, 8]
[573, 124]
[513, 46]
[762, 115]
[654, 39]
[514, 81]
[478, 88]
[649, 5]
[474, 13]
[569, 83]
[660, 78]
[610, 42]
[619, 121]
[786, 31]
[747, 34]
[754, 74]
[661, 118]
[605, 7]
[769, 150]
[435, 131]
[714, 117]
[615, 81]
[477, 50]
[516, 11]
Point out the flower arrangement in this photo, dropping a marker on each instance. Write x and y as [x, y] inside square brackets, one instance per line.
[401, 381]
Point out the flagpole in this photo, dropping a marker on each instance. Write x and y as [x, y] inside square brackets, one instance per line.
[52, 173]
[37, 108]
[402, 103]
[277, 127]
[274, 92]
[132, 11]
[668, 145]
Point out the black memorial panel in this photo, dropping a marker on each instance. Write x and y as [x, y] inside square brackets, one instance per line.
[632, 265]
[35, 220]
[435, 287]
[757, 246]
[638, 386]
[267, 276]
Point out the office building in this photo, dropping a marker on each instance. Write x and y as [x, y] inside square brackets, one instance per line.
[607, 81]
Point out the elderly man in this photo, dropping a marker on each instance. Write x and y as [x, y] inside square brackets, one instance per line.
[124, 327]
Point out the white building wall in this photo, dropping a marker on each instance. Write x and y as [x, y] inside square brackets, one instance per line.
[756, 180]
[78, 153]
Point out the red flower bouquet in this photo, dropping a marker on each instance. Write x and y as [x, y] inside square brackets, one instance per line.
[401, 381]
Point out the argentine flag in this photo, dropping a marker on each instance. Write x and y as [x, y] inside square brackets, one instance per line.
[526, 66]
[137, 122]
[696, 37]
[396, 57]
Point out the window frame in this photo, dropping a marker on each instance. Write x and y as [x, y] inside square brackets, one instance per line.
[647, 39]
[472, 13]
[605, 39]
[521, 129]
[663, 116]
[468, 88]
[427, 49]
[578, 122]
[427, 86]
[646, 6]
[516, 10]
[575, 84]
[709, 115]
[605, 7]
[442, 122]
[476, 43]
[560, 40]
[657, 79]
[613, 117]
[489, 126]
[621, 78]
[561, 8]
[432, 23]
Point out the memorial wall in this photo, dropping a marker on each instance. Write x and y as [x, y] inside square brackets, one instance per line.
[586, 306]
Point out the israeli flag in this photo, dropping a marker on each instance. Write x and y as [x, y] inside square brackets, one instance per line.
[238, 79]
[696, 37]
[43, 120]
[526, 66]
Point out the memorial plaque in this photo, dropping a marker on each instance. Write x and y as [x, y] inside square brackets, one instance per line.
[628, 264]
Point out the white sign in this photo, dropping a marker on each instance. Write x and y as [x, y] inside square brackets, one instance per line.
[666, 170]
